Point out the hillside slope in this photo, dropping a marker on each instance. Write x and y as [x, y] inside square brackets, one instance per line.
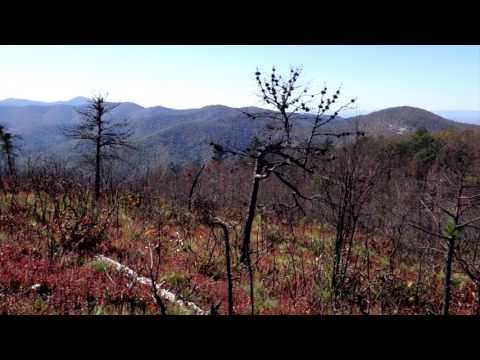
[162, 134]
[403, 120]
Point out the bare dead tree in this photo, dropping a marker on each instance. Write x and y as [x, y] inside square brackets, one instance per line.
[153, 272]
[346, 187]
[206, 212]
[194, 184]
[280, 149]
[452, 231]
[222, 225]
[102, 133]
[469, 261]
[9, 149]
[451, 222]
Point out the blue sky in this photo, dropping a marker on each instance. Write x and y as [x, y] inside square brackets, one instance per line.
[430, 77]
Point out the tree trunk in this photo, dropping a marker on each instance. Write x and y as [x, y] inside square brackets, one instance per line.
[245, 252]
[10, 164]
[448, 275]
[339, 239]
[192, 189]
[97, 166]
[250, 278]
[228, 261]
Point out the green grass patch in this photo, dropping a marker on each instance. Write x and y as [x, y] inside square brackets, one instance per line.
[3, 237]
[459, 280]
[174, 309]
[176, 279]
[322, 245]
[324, 293]
[262, 299]
[97, 265]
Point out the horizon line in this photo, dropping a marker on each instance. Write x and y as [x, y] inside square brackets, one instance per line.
[54, 102]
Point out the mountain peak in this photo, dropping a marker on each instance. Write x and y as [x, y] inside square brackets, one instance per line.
[404, 109]
[78, 98]
[404, 119]
[76, 101]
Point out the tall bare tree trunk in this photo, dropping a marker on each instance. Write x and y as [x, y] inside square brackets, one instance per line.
[226, 238]
[247, 230]
[10, 164]
[97, 164]
[192, 189]
[339, 241]
[250, 277]
[448, 275]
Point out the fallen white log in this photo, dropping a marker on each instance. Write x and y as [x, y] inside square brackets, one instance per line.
[165, 294]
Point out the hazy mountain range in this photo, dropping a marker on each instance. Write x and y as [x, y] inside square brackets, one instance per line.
[77, 101]
[466, 116]
[162, 134]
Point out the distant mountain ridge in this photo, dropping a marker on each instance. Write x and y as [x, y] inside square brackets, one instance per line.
[162, 134]
[76, 101]
[404, 119]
